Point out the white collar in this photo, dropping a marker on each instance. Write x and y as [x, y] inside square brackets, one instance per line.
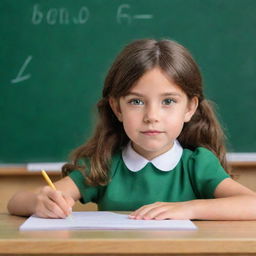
[165, 162]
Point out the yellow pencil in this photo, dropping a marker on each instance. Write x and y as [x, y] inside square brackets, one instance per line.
[48, 180]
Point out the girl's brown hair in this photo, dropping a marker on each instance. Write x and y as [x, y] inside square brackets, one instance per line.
[137, 58]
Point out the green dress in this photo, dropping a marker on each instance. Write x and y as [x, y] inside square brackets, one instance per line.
[196, 176]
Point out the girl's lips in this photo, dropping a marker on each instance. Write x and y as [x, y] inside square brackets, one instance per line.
[151, 132]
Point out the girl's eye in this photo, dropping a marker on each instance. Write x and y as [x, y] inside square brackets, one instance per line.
[136, 102]
[168, 101]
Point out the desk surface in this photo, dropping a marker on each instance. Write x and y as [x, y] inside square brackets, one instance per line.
[211, 238]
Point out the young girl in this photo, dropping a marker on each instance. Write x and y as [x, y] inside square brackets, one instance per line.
[157, 150]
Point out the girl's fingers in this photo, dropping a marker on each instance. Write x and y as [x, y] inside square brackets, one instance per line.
[138, 212]
[153, 213]
[58, 198]
[173, 214]
[163, 210]
[69, 200]
[54, 211]
[48, 210]
[49, 214]
[145, 211]
[164, 215]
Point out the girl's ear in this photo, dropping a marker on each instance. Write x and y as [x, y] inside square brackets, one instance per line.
[114, 104]
[191, 109]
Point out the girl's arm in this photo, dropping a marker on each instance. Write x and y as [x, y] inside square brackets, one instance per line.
[232, 202]
[46, 202]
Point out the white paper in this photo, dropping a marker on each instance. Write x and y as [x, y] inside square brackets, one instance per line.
[102, 220]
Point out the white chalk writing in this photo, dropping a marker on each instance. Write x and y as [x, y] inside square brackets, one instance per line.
[59, 16]
[124, 15]
[20, 77]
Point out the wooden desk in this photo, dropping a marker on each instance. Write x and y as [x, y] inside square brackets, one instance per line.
[211, 238]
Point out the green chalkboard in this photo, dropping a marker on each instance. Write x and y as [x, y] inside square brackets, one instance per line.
[56, 53]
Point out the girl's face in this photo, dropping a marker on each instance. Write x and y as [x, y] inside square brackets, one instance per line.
[153, 113]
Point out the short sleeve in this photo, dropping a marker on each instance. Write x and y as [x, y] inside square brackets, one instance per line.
[206, 172]
[88, 193]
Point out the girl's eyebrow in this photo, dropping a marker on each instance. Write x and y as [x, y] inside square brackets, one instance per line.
[134, 94]
[162, 94]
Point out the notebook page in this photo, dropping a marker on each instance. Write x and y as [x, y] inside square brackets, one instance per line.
[103, 220]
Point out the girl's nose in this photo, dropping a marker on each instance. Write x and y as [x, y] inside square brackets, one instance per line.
[151, 114]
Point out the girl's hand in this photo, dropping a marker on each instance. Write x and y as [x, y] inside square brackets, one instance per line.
[50, 203]
[163, 210]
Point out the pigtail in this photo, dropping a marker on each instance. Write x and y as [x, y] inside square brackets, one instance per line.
[204, 130]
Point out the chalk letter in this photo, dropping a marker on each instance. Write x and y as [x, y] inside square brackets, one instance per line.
[37, 16]
[21, 77]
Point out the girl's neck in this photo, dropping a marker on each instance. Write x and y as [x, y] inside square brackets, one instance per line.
[149, 155]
